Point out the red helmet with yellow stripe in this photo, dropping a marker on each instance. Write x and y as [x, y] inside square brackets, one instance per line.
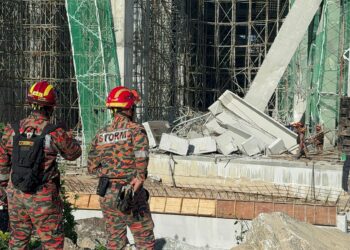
[42, 93]
[121, 97]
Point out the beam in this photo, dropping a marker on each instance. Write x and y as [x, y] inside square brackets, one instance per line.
[281, 52]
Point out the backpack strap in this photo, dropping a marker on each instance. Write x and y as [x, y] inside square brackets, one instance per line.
[15, 127]
[49, 128]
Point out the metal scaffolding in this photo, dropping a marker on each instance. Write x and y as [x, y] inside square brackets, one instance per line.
[35, 45]
[187, 53]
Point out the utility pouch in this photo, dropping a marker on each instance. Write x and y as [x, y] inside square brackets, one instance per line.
[103, 184]
[125, 198]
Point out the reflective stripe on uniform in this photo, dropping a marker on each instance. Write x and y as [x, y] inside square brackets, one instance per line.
[4, 177]
[141, 154]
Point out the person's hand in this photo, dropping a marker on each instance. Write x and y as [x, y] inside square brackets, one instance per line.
[136, 184]
[70, 133]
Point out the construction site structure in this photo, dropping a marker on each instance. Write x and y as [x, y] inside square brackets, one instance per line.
[179, 54]
[34, 46]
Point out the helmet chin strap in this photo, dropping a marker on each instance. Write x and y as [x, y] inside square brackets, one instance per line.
[45, 110]
[125, 112]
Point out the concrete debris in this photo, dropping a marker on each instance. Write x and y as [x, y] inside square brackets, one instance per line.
[92, 235]
[281, 52]
[226, 143]
[277, 147]
[258, 119]
[234, 126]
[251, 146]
[279, 231]
[194, 135]
[214, 127]
[174, 144]
[216, 108]
[154, 130]
[202, 145]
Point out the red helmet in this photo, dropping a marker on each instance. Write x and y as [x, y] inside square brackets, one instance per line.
[121, 97]
[42, 93]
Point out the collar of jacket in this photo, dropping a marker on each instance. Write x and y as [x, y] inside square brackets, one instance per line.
[118, 117]
[39, 116]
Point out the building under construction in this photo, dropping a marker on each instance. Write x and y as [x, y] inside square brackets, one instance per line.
[179, 54]
[281, 61]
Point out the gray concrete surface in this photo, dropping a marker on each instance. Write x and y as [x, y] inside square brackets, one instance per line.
[186, 231]
[226, 170]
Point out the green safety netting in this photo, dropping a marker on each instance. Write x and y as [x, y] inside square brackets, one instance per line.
[317, 74]
[95, 60]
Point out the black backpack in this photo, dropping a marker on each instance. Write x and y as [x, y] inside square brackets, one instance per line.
[27, 156]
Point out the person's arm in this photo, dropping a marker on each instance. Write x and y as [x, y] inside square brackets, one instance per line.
[94, 157]
[68, 147]
[5, 155]
[141, 151]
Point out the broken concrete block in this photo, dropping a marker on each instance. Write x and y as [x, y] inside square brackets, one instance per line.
[257, 118]
[216, 108]
[277, 147]
[174, 144]
[214, 127]
[206, 132]
[244, 129]
[202, 145]
[225, 143]
[154, 130]
[251, 146]
[193, 135]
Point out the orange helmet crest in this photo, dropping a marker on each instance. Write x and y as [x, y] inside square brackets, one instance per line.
[121, 97]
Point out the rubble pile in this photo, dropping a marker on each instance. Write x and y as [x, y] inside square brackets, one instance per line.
[92, 235]
[231, 126]
[279, 231]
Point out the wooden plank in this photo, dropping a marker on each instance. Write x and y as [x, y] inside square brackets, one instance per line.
[245, 210]
[82, 201]
[284, 208]
[300, 212]
[190, 206]
[310, 214]
[263, 207]
[157, 204]
[226, 209]
[94, 202]
[207, 207]
[173, 205]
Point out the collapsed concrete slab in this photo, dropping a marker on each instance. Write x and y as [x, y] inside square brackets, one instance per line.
[216, 108]
[154, 130]
[281, 52]
[174, 144]
[277, 147]
[226, 143]
[244, 129]
[202, 145]
[251, 146]
[259, 119]
[214, 127]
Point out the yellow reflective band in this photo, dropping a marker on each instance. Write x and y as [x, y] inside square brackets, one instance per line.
[25, 143]
[38, 94]
[118, 92]
[32, 88]
[47, 90]
[118, 104]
